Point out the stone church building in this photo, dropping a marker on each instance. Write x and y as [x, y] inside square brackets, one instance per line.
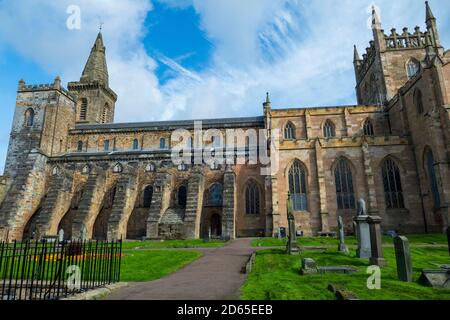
[70, 167]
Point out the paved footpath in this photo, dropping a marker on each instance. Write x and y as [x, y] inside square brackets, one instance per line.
[215, 276]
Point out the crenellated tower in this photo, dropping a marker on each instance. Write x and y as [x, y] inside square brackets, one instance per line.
[391, 60]
[96, 100]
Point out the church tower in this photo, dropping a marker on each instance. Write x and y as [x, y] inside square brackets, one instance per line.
[392, 60]
[95, 99]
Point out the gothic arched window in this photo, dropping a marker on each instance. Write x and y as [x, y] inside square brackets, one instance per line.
[215, 195]
[83, 109]
[418, 101]
[252, 199]
[80, 146]
[412, 68]
[329, 130]
[135, 144]
[344, 185]
[368, 128]
[148, 195]
[162, 143]
[297, 186]
[182, 196]
[29, 117]
[392, 185]
[433, 179]
[289, 131]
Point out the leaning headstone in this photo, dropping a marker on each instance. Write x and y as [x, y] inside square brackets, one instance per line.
[342, 246]
[292, 246]
[376, 241]
[448, 239]
[362, 231]
[61, 235]
[403, 258]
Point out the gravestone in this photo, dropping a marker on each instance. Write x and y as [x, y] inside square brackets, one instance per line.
[448, 239]
[362, 231]
[435, 278]
[342, 246]
[376, 241]
[83, 233]
[309, 266]
[292, 246]
[403, 258]
[61, 235]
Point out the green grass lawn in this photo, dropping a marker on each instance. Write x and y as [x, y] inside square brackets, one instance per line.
[170, 244]
[350, 240]
[275, 276]
[140, 266]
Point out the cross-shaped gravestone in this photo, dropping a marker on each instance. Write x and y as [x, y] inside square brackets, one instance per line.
[292, 246]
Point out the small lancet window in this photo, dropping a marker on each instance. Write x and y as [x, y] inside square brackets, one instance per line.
[289, 131]
[368, 128]
[329, 130]
[29, 117]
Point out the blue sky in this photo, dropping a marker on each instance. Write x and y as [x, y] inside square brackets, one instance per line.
[179, 59]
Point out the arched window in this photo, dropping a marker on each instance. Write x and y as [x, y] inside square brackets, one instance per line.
[80, 146]
[182, 196]
[418, 101]
[29, 117]
[392, 185]
[329, 129]
[106, 145]
[105, 114]
[368, 128]
[297, 186]
[83, 109]
[344, 185]
[433, 179]
[162, 143]
[215, 195]
[148, 195]
[135, 144]
[412, 68]
[289, 131]
[252, 201]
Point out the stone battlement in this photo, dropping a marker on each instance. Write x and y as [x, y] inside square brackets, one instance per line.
[56, 85]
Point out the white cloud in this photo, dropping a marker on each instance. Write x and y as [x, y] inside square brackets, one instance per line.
[300, 51]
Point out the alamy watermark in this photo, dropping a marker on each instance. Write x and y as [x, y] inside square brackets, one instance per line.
[374, 280]
[73, 22]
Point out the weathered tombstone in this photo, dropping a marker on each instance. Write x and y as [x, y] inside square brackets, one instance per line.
[292, 246]
[83, 233]
[362, 231]
[448, 239]
[309, 266]
[435, 278]
[403, 258]
[376, 242]
[61, 235]
[342, 246]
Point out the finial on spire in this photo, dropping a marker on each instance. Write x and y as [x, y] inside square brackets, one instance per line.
[267, 97]
[356, 56]
[429, 15]
[376, 23]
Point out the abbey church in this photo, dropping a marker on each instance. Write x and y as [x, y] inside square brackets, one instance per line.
[70, 167]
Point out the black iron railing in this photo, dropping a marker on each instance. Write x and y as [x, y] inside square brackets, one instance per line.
[49, 270]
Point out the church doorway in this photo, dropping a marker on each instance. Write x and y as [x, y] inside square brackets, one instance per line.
[216, 226]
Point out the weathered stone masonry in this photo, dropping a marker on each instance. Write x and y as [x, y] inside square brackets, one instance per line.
[70, 167]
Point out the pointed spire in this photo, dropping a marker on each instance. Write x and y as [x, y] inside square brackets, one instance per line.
[356, 56]
[267, 98]
[429, 15]
[376, 23]
[267, 103]
[96, 68]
